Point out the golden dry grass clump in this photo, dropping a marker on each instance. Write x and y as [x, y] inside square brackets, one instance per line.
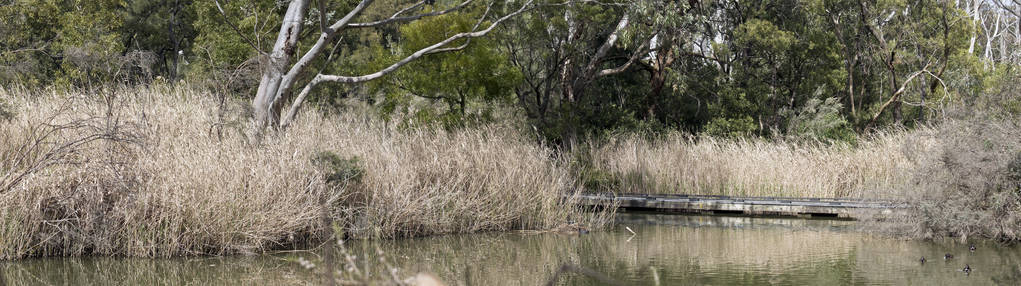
[172, 171]
[681, 164]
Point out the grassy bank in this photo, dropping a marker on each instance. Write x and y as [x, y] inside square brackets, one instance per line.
[161, 172]
[680, 164]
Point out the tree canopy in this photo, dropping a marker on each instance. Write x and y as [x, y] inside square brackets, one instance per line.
[823, 69]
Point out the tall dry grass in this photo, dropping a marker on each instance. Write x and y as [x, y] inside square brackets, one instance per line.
[681, 164]
[164, 171]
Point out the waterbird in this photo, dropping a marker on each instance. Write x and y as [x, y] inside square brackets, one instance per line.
[971, 248]
[922, 260]
[967, 269]
[948, 256]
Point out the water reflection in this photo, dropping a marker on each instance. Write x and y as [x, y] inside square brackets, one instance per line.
[682, 250]
[264, 270]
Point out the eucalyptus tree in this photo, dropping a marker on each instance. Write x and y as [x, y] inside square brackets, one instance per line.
[1004, 45]
[287, 65]
[565, 51]
[916, 42]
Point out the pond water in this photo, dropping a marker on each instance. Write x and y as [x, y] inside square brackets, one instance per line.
[673, 249]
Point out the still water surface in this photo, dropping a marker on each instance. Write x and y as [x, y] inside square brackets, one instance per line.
[678, 249]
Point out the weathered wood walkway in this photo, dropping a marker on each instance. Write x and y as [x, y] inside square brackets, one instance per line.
[758, 206]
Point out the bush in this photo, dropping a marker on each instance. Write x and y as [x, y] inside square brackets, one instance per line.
[6, 111]
[968, 181]
[820, 120]
[339, 171]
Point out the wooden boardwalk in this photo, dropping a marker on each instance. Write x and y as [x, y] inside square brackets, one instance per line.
[757, 206]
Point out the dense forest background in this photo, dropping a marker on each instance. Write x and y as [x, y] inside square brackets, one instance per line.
[820, 69]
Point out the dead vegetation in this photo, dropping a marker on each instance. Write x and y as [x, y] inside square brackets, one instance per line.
[968, 183]
[681, 164]
[164, 171]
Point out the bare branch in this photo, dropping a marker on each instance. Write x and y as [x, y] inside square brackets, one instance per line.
[283, 90]
[397, 16]
[900, 91]
[322, 15]
[422, 52]
[609, 43]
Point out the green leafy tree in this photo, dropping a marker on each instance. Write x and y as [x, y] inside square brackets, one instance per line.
[224, 48]
[161, 28]
[90, 42]
[469, 81]
[27, 33]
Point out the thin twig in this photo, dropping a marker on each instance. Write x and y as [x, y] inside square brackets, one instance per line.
[238, 31]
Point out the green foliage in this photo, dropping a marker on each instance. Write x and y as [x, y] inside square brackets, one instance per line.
[820, 119]
[339, 171]
[764, 36]
[221, 54]
[470, 82]
[76, 43]
[26, 33]
[731, 127]
[6, 111]
[91, 45]
[818, 69]
[163, 29]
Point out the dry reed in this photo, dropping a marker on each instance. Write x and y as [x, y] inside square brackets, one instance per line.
[681, 164]
[165, 171]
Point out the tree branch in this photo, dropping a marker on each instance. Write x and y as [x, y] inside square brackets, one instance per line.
[609, 43]
[396, 17]
[320, 78]
[322, 15]
[238, 31]
[897, 94]
[287, 82]
[634, 56]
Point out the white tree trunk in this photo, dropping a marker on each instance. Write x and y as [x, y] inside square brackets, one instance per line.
[976, 19]
[991, 37]
[279, 59]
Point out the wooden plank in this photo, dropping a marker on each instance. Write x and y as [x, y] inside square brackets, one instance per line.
[844, 208]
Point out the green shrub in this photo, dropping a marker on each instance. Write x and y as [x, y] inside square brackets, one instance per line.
[731, 127]
[820, 120]
[6, 111]
[339, 171]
